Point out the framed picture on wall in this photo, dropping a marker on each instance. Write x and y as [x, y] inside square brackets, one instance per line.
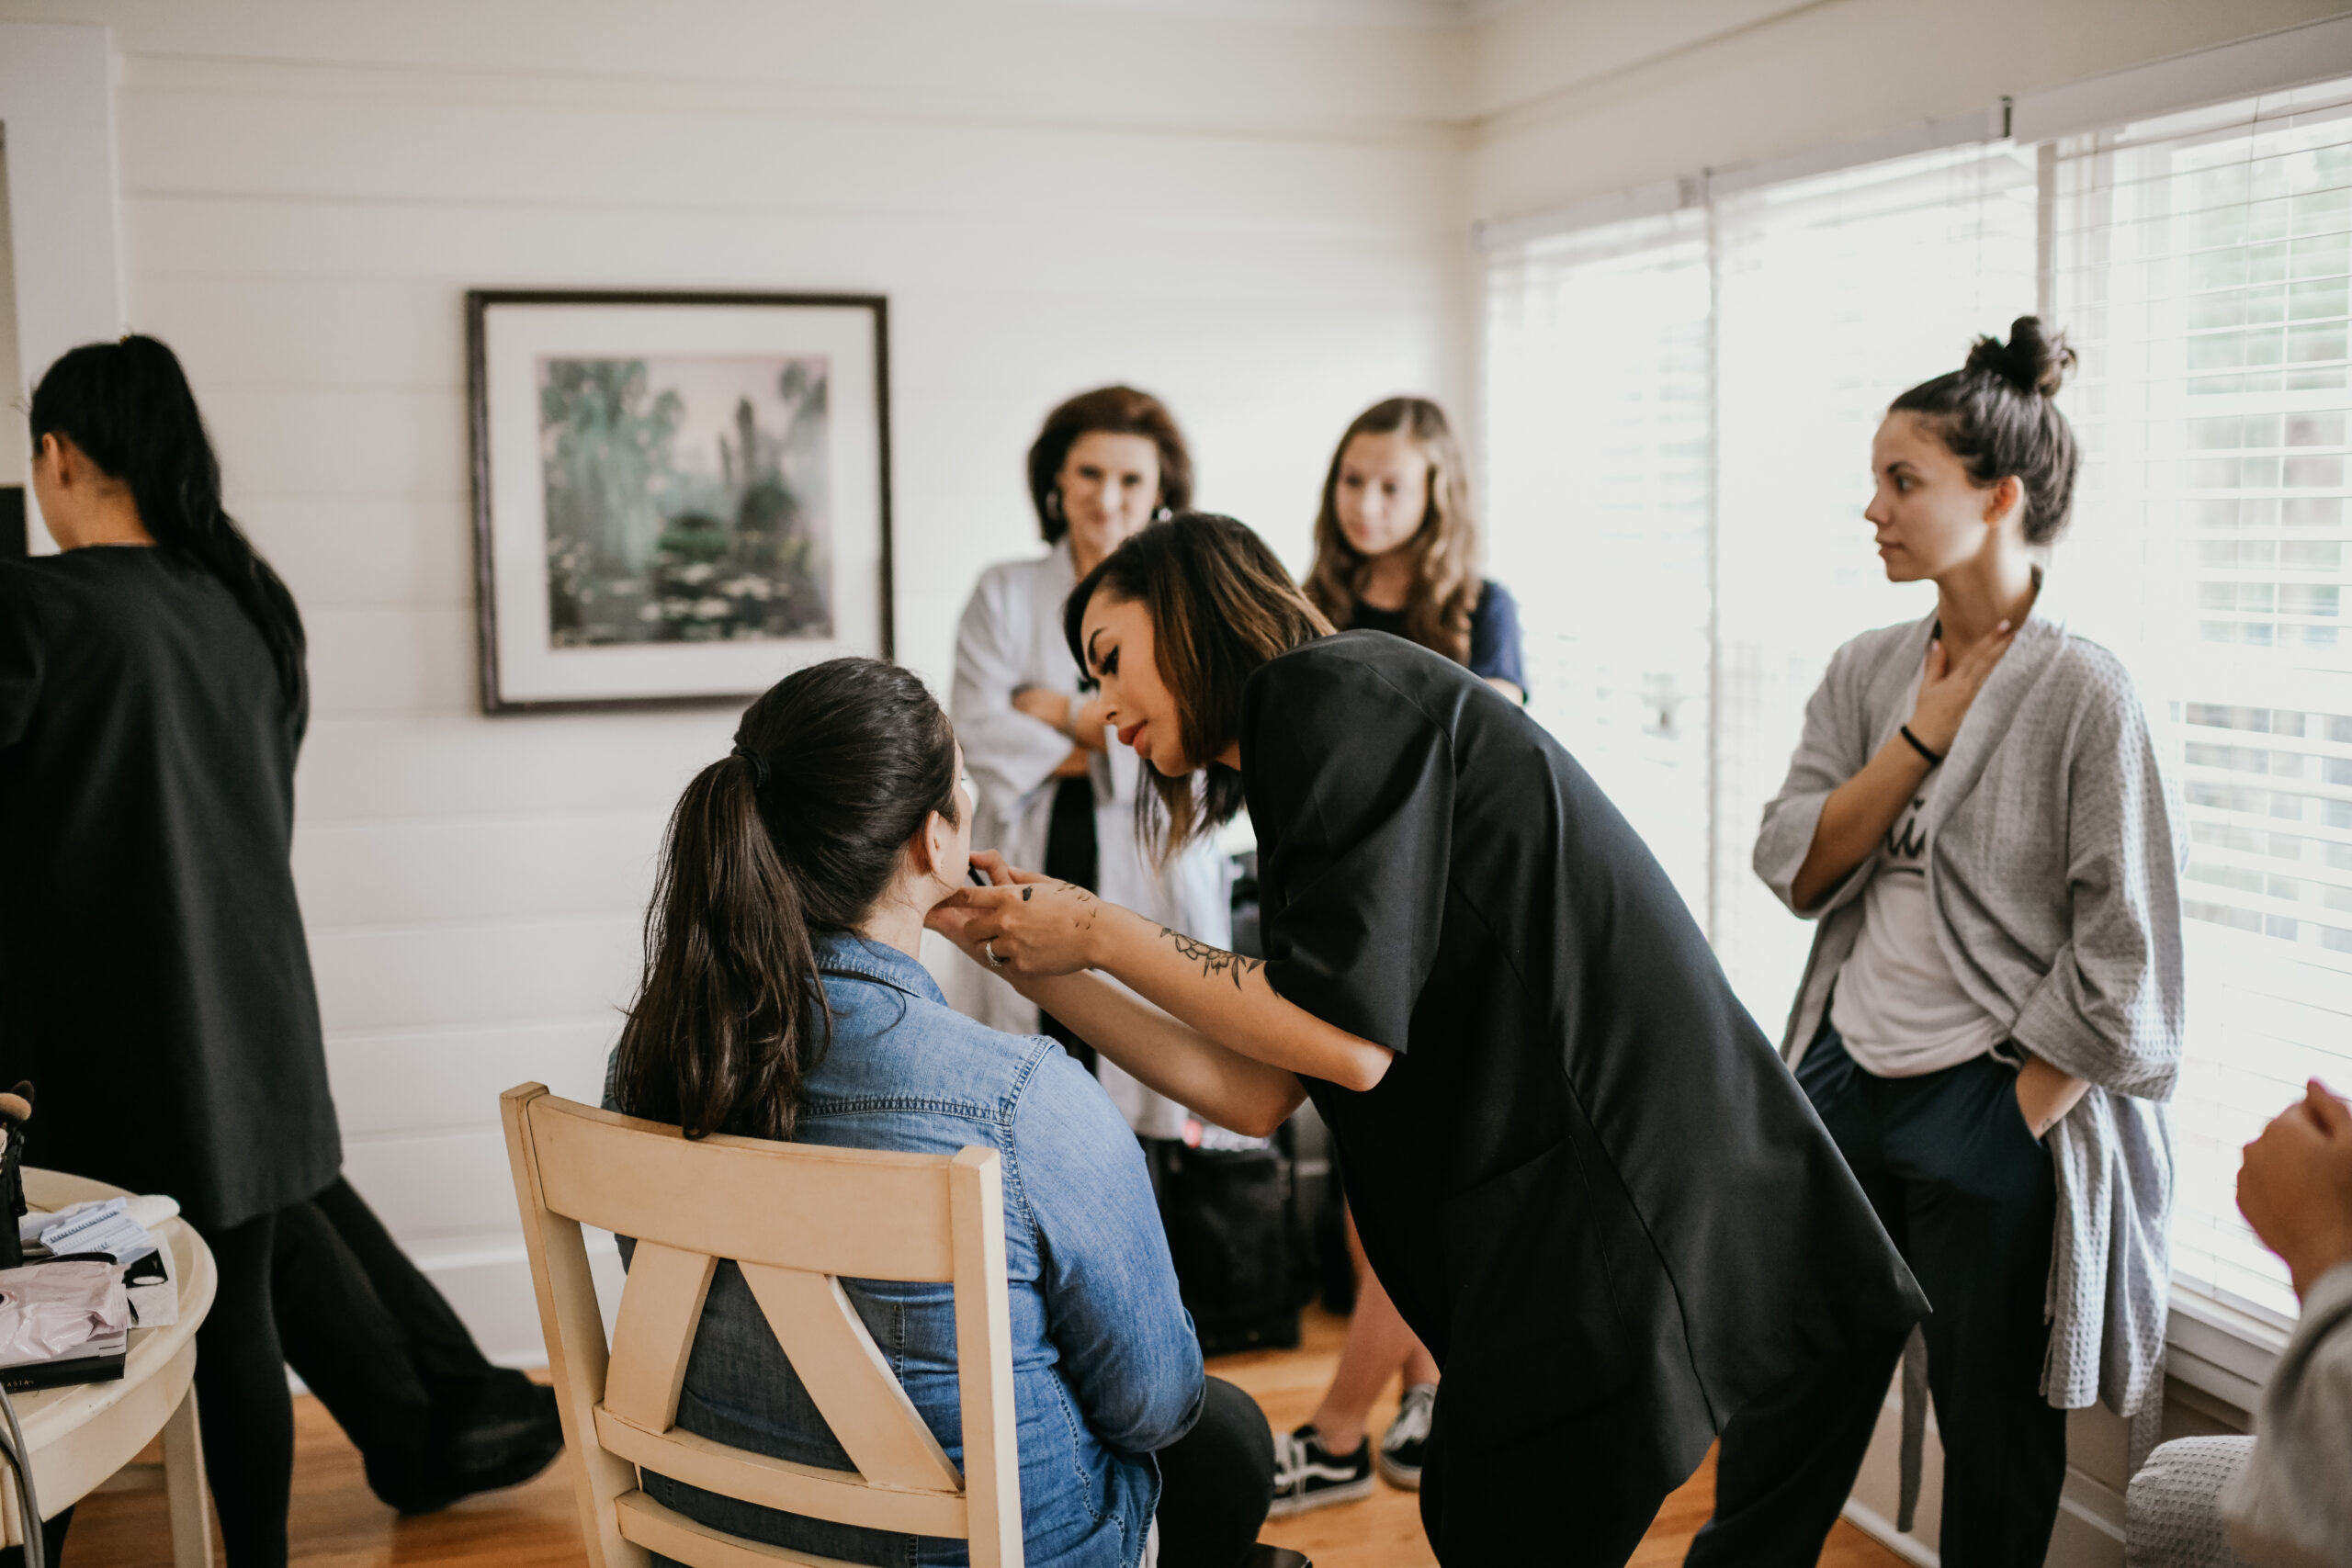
[678, 498]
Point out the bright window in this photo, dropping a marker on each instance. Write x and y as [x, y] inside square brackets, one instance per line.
[1598, 426]
[2202, 264]
[1679, 414]
[1837, 293]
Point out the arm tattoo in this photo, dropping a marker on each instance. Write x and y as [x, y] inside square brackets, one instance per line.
[1214, 961]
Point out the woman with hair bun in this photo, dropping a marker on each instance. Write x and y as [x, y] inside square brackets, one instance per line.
[1991, 1016]
[1053, 791]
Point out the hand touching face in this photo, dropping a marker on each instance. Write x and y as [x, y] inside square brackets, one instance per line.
[1023, 925]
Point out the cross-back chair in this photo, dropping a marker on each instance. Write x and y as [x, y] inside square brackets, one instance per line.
[796, 1218]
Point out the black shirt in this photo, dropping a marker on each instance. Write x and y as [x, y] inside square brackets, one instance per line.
[154, 983]
[1586, 1180]
[1496, 650]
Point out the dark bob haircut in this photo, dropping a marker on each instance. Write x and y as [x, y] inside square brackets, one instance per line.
[1996, 416]
[1221, 606]
[1106, 411]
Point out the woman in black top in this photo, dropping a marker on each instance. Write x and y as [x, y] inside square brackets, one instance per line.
[155, 984]
[1577, 1166]
[1397, 545]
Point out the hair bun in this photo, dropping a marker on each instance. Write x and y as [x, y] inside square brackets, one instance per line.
[2029, 361]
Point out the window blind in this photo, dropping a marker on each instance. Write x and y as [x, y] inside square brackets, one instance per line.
[1597, 405]
[1679, 415]
[1835, 294]
[2203, 267]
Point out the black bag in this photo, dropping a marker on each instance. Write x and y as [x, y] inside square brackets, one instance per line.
[1233, 1232]
[1316, 1202]
[1322, 1210]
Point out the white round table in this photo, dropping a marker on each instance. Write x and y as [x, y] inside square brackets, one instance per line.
[81, 1434]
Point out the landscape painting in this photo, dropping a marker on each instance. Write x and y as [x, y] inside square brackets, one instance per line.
[686, 498]
[678, 498]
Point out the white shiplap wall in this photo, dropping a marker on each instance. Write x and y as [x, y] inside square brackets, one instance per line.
[1254, 215]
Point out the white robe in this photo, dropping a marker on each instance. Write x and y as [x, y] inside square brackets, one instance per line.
[1011, 637]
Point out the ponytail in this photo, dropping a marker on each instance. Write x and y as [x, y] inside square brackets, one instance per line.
[127, 407]
[719, 1040]
[800, 830]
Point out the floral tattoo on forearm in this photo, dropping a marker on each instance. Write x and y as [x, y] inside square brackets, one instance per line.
[1214, 961]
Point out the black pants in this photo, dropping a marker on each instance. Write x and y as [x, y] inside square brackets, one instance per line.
[1073, 855]
[1215, 1483]
[1556, 1497]
[379, 1346]
[1967, 1195]
[245, 1412]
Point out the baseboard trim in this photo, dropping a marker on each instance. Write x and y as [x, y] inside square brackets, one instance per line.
[1881, 1529]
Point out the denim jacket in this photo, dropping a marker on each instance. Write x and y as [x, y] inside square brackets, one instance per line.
[1106, 1368]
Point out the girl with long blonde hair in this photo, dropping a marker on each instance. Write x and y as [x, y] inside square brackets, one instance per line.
[1396, 545]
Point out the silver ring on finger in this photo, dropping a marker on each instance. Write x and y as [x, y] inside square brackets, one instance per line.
[989, 947]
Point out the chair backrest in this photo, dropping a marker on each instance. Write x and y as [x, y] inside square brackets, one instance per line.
[794, 1218]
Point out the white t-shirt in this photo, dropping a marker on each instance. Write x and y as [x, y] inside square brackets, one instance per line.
[1901, 1012]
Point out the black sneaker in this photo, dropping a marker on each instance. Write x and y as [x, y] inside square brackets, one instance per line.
[1307, 1476]
[1401, 1451]
[508, 1433]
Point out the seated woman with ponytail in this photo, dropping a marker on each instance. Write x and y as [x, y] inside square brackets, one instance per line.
[783, 998]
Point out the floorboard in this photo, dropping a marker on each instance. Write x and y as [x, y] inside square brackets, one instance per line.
[337, 1523]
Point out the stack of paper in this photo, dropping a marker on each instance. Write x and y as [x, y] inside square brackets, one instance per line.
[61, 1323]
[116, 1230]
[105, 1226]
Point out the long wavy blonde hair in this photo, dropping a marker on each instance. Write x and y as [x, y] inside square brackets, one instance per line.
[1446, 547]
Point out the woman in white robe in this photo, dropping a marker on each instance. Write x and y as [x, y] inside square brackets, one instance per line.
[1051, 787]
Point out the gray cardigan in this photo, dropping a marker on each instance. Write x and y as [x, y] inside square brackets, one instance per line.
[2052, 876]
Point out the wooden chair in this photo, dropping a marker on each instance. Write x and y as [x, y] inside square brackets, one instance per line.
[794, 1218]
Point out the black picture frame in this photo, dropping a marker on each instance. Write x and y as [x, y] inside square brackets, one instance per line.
[480, 305]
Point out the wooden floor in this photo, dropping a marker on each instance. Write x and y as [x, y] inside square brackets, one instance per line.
[337, 1523]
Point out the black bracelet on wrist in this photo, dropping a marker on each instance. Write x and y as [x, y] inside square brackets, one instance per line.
[1934, 758]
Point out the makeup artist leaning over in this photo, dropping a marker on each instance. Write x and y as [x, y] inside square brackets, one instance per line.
[1574, 1161]
[1991, 1013]
[155, 984]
